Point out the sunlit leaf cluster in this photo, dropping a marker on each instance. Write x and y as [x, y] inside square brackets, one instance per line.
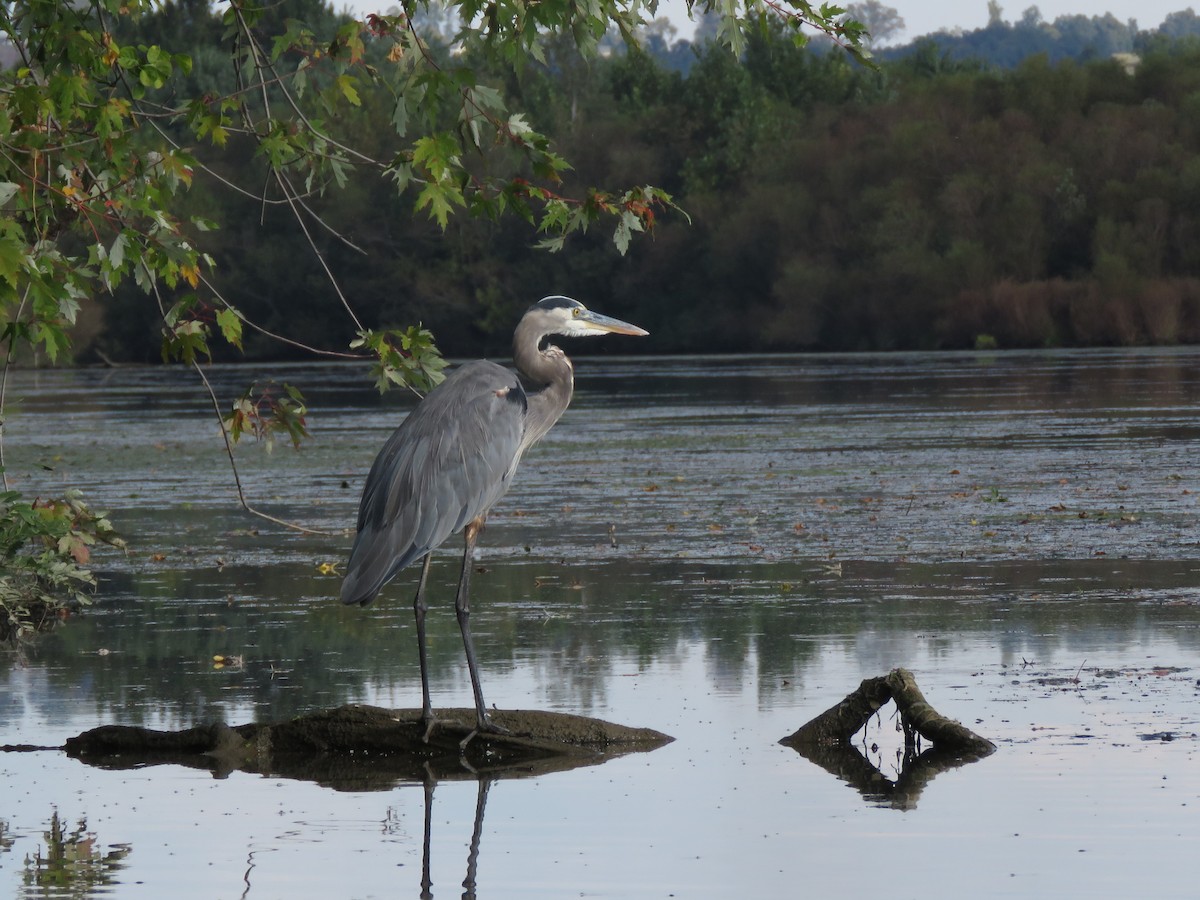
[404, 357]
[265, 412]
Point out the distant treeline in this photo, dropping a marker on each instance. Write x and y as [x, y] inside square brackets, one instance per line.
[1000, 44]
[936, 203]
[1078, 37]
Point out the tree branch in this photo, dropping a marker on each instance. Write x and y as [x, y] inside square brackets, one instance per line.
[838, 724]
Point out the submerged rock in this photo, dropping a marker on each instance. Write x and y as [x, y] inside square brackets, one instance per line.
[369, 748]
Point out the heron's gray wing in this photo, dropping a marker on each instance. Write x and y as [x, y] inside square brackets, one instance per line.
[449, 461]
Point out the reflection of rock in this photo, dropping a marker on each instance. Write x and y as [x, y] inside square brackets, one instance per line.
[825, 740]
[368, 748]
[363, 748]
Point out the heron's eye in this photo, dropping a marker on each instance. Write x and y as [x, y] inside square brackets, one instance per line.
[577, 312]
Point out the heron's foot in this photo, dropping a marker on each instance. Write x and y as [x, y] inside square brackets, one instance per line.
[490, 727]
[430, 722]
[483, 726]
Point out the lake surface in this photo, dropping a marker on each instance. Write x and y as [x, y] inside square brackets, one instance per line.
[719, 550]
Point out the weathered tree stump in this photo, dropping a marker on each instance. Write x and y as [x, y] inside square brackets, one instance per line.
[838, 724]
[364, 747]
[826, 741]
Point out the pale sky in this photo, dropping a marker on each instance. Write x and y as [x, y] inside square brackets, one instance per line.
[926, 16]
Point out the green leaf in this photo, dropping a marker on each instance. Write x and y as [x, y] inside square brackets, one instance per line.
[185, 341]
[437, 154]
[12, 254]
[440, 200]
[116, 253]
[400, 115]
[347, 84]
[230, 324]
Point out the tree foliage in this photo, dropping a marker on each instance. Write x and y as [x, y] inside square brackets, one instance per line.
[46, 546]
[1078, 37]
[928, 205]
[882, 22]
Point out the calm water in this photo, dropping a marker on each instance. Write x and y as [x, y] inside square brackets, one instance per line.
[717, 550]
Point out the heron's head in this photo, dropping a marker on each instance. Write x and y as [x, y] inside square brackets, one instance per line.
[562, 315]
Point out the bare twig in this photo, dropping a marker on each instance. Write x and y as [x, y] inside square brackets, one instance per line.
[8, 359]
[289, 192]
[266, 332]
[237, 479]
[228, 441]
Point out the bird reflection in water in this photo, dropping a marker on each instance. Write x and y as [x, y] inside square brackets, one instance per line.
[485, 785]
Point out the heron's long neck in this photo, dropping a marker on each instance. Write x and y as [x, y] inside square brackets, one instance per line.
[548, 369]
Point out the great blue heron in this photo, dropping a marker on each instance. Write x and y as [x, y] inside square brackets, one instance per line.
[453, 457]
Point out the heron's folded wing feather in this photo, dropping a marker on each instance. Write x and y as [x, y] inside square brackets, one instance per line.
[449, 461]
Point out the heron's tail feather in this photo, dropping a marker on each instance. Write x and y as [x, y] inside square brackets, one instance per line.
[354, 591]
[373, 563]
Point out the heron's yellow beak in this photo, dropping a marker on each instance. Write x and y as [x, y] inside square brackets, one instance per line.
[596, 323]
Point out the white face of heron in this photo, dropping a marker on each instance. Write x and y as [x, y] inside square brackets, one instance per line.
[572, 319]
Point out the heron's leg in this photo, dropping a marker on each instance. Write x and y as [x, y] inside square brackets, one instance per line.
[462, 608]
[419, 608]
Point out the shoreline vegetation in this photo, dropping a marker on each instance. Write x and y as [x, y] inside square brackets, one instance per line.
[938, 202]
[1024, 185]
